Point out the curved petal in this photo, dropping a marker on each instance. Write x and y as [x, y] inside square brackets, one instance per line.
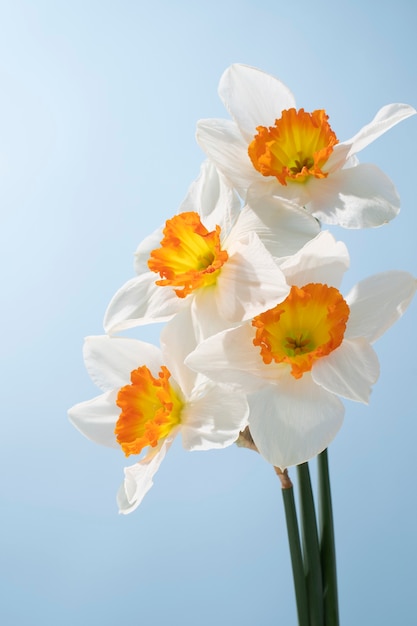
[378, 302]
[356, 197]
[253, 97]
[110, 360]
[213, 418]
[292, 192]
[222, 141]
[144, 249]
[250, 282]
[387, 117]
[350, 371]
[283, 227]
[340, 158]
[214, 199]
[231, 357]
[178, 339]
[321, 260]
[139, 478]
[97, 418]
[140, 301]
[207, 319]
[294, 421]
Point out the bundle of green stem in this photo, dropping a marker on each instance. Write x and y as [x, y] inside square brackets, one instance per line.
[312, 545]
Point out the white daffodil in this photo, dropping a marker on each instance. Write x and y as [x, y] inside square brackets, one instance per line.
[149, 396]
[296, 358]
[271, 148]
[211, 256]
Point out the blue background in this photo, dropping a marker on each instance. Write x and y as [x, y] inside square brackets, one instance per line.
[98, 107]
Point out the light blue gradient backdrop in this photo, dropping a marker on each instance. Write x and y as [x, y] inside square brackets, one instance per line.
[98, 107]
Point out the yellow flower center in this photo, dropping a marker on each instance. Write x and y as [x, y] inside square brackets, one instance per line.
[295, 148]
[308, 325]
[190, 256]
[150, 410]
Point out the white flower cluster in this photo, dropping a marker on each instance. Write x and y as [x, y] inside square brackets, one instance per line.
[257, 334]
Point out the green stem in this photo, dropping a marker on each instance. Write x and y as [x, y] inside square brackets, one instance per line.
[327, 543]
[311, 549]
[295, 549]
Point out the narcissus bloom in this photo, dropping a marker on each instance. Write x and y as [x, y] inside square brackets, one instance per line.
[149, 396]
[298, 357]
[211, 256]
[273, 148]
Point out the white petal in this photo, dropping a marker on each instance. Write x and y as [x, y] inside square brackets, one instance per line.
[386, 118]
[178, 339]
[321, 260]
[356, 197]
[340, 157]
[253, 98]
[110, 360]
[350, 371]
[213, 418]
[213, 198]
[250, 282]
[283, 227]
[231, 357]
[294, 421]
[207, 319]
[140, 301]
[97, 418]
[222, 141]
[268, 186]
[139, 478]
[143, 251]
[378, 302]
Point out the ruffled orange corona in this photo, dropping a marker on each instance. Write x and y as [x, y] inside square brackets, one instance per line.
[150, 410]
[190, 256]
[309, 324]
[295, 148]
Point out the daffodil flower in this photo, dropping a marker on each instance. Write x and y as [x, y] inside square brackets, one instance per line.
[149, 397]
[212, 256]
[272, 148]
[298, 357]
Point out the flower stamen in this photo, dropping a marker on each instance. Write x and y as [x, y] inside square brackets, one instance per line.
[190, 257]
[151, 408]
[295, 148]
[309, 324]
